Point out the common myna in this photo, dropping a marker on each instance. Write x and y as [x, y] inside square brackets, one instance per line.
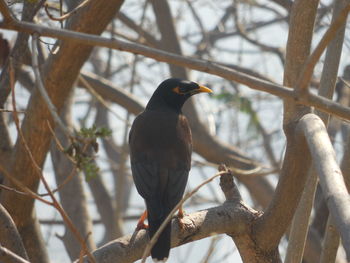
[160, 151]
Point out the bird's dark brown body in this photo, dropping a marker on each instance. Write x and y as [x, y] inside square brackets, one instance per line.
[160, 152]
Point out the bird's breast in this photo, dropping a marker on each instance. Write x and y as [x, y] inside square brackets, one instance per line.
[162, 136]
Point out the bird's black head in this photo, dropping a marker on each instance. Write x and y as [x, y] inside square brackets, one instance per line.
[172, 93]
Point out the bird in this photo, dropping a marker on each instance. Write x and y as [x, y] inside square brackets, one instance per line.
[160, 144]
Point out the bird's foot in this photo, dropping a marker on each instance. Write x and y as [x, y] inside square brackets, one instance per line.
[141, 223]
[180, 216]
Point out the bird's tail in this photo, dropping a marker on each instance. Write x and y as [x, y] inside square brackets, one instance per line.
[160, 250]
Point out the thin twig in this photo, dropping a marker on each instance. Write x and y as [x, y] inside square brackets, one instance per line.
[346, 82]
[243, 33]
[20, 185]
[211, 249]
[11, 111]
[10, 256]
[7, 188]
[38, 170]
[16, 119]
[58, 144]
[100, 99]
[67, 15]
[42, 89]
[170, 216]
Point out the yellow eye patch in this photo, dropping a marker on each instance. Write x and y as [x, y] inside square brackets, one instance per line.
[177, 90]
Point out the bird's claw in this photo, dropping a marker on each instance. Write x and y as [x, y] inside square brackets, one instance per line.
[140, 226]
[141, 223]
[180, 216]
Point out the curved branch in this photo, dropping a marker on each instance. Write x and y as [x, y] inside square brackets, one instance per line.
[233, 218]
[7, 256]
[330, 175]
[322, 104]
[297, 158]
[9, 236]
[198, 225]
[308, 68]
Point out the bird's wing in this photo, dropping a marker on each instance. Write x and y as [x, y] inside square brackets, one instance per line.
[144, 177]
[147, 176]
[177, 181]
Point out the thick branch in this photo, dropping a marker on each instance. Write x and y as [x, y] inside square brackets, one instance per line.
[297, 158]
[197, 226]
[92, 19]
[35, 128]
[196, 64]
[287, 193]
[300, 224]
[9, 236]
[330, 175]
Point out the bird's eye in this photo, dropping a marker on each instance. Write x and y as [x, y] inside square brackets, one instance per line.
[176, 90]
[180, 90]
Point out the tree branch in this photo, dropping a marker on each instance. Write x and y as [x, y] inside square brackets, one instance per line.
[233, 218]
[300, 224]
[9, 236]
[92, 19]
[210, 67]
[330, 175]
[7, 256]
[198, 225]
[338, 22]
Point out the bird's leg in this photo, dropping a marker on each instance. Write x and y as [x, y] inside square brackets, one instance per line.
[141, 224]
[181, 215]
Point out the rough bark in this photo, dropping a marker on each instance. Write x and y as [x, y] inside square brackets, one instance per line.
[233, 218]
[71, 55]
[7, 256]
[301, 220]
[295, 165]
[9, 236]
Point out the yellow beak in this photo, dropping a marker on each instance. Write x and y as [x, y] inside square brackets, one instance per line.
[205, 89]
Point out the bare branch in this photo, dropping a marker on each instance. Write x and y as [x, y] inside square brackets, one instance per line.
[330, 243]
[287, 4]
[39, 173]
[93, 19]
[243, 33]
[7, 256]
[100, 99]
[42, 89]
[68, 14]
[295, 165]
[198, 225]
[300, 224]
[5, 11]
[306, 74]
[330, 175]
[151, 40]
[172, 213]
[196, 64]
[9, 236]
